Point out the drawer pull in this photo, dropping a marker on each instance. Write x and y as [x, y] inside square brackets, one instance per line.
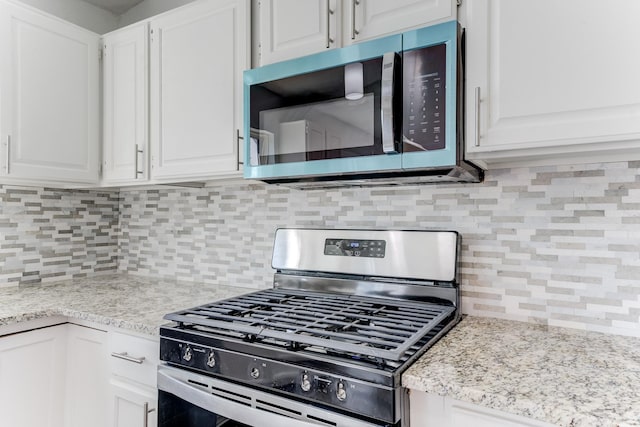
[125, 356]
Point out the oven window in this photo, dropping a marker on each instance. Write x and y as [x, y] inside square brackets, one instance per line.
[175, 412]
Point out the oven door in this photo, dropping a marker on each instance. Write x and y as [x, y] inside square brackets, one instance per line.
[187, 399]
[331, 113]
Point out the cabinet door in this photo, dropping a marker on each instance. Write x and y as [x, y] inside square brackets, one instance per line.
[368, 19]
[32, 377]
[431, 410]
[198, 54]
[132, 406]
[87, 376]
[49, 116]
[572, 84]
[294, 28]
[125, 104]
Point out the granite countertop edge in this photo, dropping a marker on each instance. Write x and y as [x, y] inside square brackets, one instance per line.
[123, 301]
[556, 375]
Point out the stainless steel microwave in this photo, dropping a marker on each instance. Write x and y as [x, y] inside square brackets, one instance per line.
[384, 111]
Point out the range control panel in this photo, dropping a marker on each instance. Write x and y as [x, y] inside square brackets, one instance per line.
[355, 247]
[365, 398]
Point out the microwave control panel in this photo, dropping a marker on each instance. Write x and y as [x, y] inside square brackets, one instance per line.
[424, 80]
[355, 248]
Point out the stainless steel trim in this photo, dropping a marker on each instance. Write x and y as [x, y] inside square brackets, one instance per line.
[137, 153]
[354, 32]
[8, 154]
[329, 13]
[421, 255]
[372, 288]
[147, 411]
[477, 117]
[386, 111]
[125, 356]
[247, 405]
[238, 139]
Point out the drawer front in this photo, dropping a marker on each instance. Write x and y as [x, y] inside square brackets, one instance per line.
[134, 358]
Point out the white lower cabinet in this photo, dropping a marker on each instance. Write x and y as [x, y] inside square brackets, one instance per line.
[77, 376]
[133, 397]
[86, 377]
[430, 410]
[132, 405]
[32, 378]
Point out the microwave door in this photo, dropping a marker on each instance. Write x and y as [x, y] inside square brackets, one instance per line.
[333, 120]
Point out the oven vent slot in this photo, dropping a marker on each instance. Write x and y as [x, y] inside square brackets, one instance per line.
[320, 420]
[198, 383]
[233, 397]
[277, 409]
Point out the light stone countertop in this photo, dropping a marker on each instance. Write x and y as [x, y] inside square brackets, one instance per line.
[124, 301]
[562, 376]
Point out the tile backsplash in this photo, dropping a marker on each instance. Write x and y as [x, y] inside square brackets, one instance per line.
[48, 234]
[551, 245]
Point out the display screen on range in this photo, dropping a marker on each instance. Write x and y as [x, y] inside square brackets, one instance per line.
[357, 248]
[424, 82]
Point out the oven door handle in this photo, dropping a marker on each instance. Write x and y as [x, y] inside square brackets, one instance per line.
[176, 381]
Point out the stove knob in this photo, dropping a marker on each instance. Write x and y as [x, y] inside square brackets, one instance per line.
[211, 360]
[341, 391]
[188, 354]
[305, 384]
[255, 373]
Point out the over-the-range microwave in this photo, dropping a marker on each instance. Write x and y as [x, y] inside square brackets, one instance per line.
[385, 111]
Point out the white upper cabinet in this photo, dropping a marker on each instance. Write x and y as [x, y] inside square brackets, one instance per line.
[49, 98]
[553, 81]
[294, 28]
[368, 19]
[198, 54]
[126, 124]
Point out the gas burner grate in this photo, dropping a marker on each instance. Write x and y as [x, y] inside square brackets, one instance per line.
[375, 327]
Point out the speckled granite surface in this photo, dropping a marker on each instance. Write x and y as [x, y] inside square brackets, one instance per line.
[561, 376]
[123, 301]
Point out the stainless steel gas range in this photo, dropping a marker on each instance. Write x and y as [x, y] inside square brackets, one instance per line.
[349, 312]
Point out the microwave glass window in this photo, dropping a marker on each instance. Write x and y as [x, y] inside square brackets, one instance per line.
[308, 117]
[424, 101]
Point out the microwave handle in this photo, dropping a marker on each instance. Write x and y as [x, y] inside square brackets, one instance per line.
[388, 68]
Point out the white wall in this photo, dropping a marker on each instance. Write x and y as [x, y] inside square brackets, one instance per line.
[149, 8]
[79, 12]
